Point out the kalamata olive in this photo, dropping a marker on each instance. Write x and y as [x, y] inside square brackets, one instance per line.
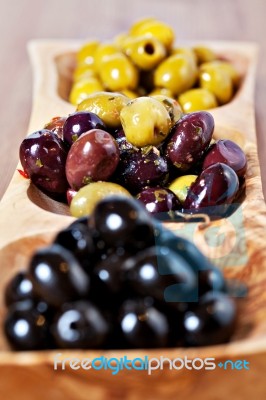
[139, 169]
[227, 152]
[80, 122]
[93, 157]
[43, 157]
[158, 200]
[56, 125]
[217, 184]
[189, 138]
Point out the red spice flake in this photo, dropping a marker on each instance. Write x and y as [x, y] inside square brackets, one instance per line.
[23, 173]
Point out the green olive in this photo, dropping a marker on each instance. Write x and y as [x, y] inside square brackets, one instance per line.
[225, 66]
[161, 91]
[83, 72]
[145, 52]
[84, 202]
[181, 185]
[171, 105]
[83, 88]
[106, 105]
[217, 81]
[86, 53]
[177, 73]
[118, 73]
[103, 51]
[204, 54]
[197, 99]
[154, 28]
[185, 50]
[145, 121]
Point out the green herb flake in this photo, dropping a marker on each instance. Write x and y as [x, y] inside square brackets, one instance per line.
[39, 163]
[74, 137]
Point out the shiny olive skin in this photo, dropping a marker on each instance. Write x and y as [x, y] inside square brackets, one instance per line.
[142, 325]
[181, 185]
[123, 222]
[93, 157]
[189, 138]
[80, 122]
[83, 88]
[158, 200]
[162, 274]
[79, 325]
[19, 288]
[197, 99]
[139, 169]
[118, 73]
[227, 152]
[176, 73]
[217, 81]
[26, 328]
[145, 52]
[217, 184]
[43, 157]
[211, 322]
[106, 105]
[89, 195]
[57, 276]
[56, 125]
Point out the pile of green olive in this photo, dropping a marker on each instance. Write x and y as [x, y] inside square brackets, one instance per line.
[144, 62]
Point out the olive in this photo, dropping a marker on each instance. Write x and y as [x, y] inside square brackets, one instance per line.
[217, 81]
[145, 52]
[217, 184]
[189, 139]
[94, 156]
[81, 89]
[185, 50]
[204, 54]
[87, 197]
[177, 73]
[197, 99]
[154, 28]
[145, 121]
[56, 126]
[78, 123]
[83, 72]
[171, 105]
[227, 152]
[106, 105]
[181, 185]
[226, 66]
[158, 200]
[211, 322]
[85, 55]
[102, 53]
[118, 73]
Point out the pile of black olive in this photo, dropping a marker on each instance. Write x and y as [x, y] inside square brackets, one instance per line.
[118, 279]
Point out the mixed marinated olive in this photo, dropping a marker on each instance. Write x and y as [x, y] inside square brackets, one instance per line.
[144, 61]
[144, 147]
[118, 279]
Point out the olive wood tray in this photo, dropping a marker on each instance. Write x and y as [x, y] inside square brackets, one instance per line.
[29, 219]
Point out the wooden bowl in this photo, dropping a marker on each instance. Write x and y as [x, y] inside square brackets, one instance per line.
[29, 219]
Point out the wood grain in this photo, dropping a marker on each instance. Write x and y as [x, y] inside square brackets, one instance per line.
[38, 218]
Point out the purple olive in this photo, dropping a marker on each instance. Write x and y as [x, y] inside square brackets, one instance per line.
[43, 157]
[93, 157]
[80, 122]
[157, 200]
[189, 139]
[139, 169]
[217, 184]
[227, 152]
